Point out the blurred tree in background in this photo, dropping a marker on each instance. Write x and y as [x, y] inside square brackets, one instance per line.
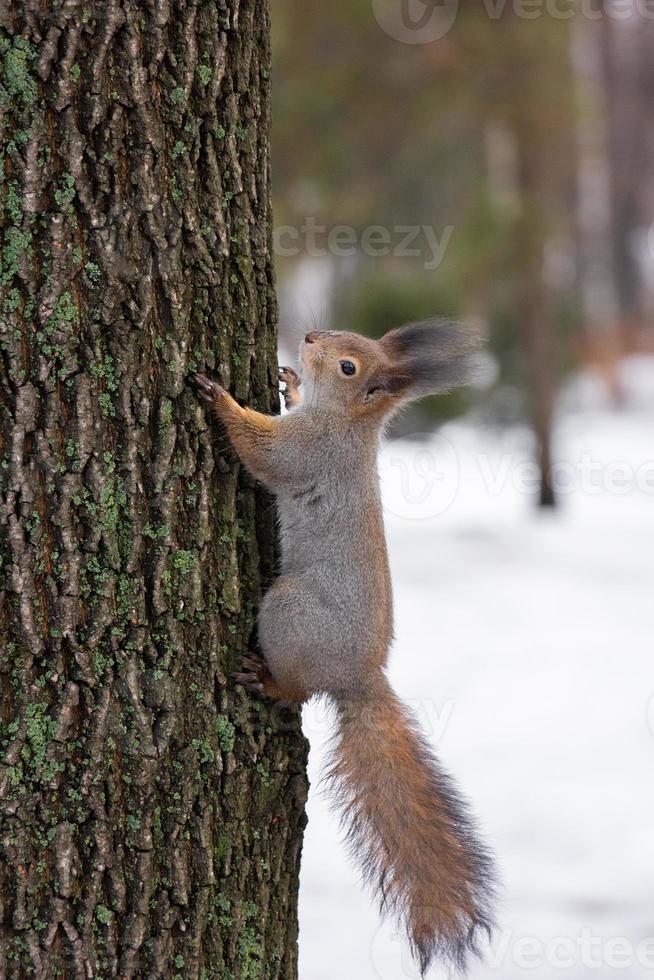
[512, 142]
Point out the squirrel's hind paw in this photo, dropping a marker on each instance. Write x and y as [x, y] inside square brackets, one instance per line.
[252, 675]
[257, 679]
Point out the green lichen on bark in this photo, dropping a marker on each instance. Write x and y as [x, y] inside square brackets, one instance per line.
[151, 815]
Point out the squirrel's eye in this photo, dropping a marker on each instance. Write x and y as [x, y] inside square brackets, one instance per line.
[347, 367]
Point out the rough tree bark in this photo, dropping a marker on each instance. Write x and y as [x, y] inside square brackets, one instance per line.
[151, 816]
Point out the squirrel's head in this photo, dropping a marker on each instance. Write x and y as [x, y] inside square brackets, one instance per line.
[361, 377]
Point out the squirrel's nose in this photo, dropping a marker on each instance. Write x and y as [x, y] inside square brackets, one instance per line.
[312, 336]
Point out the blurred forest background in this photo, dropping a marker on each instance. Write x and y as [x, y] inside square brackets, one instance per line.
[514, 141]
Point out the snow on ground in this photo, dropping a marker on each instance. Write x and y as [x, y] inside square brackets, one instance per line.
[525, 644]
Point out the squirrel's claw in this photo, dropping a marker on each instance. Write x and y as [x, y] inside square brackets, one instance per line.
[290, 377]
[252, 677]
[249, 682]
[211, 391]
[292, 380]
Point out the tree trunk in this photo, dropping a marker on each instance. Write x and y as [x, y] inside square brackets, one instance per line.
[533, 312]
[597, 218]
[151, 815]
[539, 117]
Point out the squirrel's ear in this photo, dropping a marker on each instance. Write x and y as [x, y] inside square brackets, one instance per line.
[434, 354]
[386, 384]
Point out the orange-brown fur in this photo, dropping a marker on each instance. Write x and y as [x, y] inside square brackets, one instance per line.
[410, 830]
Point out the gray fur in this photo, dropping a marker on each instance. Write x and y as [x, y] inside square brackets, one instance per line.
[319, 611]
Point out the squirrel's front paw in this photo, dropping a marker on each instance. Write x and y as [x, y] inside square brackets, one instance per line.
[211, 391]
[290, 377]
[292, 380]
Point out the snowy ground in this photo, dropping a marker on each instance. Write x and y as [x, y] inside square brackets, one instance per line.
[525, 644]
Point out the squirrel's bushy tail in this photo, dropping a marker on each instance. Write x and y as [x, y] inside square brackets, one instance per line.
[409, 829]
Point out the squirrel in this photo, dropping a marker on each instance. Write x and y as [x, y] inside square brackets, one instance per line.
[326, 625]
